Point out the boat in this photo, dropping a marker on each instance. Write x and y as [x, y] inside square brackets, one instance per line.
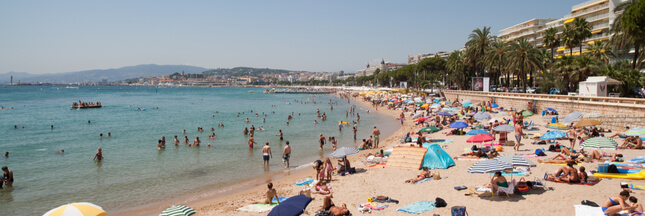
[251, 91]
[74, 87]
[83, 105]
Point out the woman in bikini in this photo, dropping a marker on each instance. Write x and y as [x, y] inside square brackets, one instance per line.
[424, 174]
[616, 204]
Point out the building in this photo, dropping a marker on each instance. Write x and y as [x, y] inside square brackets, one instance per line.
[415, 59]
[598, 13]
[382, 67]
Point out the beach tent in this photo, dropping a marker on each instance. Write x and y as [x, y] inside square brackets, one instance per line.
[436, 158]
[407, 158]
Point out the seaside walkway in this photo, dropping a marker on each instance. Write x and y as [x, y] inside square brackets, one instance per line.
[617, 112]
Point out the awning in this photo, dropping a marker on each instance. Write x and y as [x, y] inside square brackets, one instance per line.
[612, 81]
[560, 49]
[596, 31]
[591, 42]
[568, 21]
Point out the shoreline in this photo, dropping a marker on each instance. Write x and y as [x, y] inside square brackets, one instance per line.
[227, 198]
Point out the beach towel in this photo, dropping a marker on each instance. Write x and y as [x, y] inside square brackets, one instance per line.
[423, 180]
[373, 207]
[585, 210]
[378, 165]
[418, 207]
[587, 183]
[261, 207]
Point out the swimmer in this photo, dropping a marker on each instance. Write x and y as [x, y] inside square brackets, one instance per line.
[6, 154]
[315, 122]
[101, 136]
[176, 141]
[52, 127]
[185, 139]
[99, 155]
[196, 142]
[280, 134]
[247, 120]
[61, 151]
[109, 134]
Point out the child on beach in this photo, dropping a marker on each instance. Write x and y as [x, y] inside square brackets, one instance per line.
[328, 169]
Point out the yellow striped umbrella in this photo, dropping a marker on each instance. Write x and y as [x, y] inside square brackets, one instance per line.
[77, 209]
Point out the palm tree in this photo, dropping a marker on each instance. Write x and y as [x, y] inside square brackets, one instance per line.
[585, 66]
[628, 29]
[565, 67]
[458, 70]
[582, 31]
[476, 45]
[551, 40]
[524, 57]
[600, 51]
[569, 37]
[495, 54]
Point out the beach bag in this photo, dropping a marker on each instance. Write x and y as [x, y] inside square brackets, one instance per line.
[539, 152]
[552, 148]
[522, 187]
[589, 203]
[458, 211]
[436, 175]
[440, 203]
[612, 169]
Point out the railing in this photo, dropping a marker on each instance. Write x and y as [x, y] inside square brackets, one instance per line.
[609, 101]
[584, 3]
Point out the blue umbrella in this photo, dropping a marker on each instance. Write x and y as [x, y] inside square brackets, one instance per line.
[489, 166]
[494, 105]
[467, 104]
[552, 110]
[291, 207]
[482, 115]
[458, 125]
[553, 135]
[444, 113]
[477, 131]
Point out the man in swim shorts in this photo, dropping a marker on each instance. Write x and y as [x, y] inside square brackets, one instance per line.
[321, 140]
[266, 154]
[518, 136]
[377, 139]
[286, 153]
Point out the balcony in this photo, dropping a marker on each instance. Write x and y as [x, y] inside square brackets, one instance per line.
[585, 4]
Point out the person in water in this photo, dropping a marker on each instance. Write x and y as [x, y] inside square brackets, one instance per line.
[286, 154]
[266, 154]
[99, 155]
[6, 154]
[7, 177]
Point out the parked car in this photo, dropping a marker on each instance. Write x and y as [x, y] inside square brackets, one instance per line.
[500, 89]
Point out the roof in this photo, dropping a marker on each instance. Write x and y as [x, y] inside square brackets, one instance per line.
[597, 79]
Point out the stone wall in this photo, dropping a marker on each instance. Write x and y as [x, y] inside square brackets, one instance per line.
[617, 113]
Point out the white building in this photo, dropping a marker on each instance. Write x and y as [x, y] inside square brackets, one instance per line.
[382, 67]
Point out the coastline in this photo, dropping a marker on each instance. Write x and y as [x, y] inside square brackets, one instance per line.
[230, 196]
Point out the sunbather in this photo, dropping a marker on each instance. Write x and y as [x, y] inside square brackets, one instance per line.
[377, 154]
[322, 188]
[596, 155]
[424, 174]
[635, 143]
[566, 174]
[639, 207]
[270, 193]
[621, 135]
[328, 205]
[472, 155]
[616, 204]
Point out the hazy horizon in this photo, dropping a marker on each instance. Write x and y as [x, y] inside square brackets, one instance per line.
[45, 37]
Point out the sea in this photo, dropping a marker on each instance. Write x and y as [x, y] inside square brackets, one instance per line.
[134, 172]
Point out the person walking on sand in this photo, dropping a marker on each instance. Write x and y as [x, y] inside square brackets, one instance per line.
[286, 153]
[266, 154]
[518, 136]
[376, 134]
[321, 139]
[573, 134]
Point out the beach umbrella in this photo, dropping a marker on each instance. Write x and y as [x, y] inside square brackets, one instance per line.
[527, 113]
[488, 166]
[635, 132]
[515, 160]
[430, 129]
[435, 106]
[503, 113]
[458, 125]
[480, 138]
[424, 105]
[587, 122]
[398, 101]
[178, 210]
[343, 151]
[553, 135]
[444, 113]
[293, 206]
[495, 119]
[552, 110]
[467, 104]
[557, 126]
[477, 131]
[572, 116]
[74, 209]
[600, 143]
[592, 115]
[417, 115]
[504, 128]
[494, 105]
[482, 115]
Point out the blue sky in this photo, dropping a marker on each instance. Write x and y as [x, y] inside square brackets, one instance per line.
[64, 36]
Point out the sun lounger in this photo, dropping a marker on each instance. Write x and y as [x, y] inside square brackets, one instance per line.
[507, 190]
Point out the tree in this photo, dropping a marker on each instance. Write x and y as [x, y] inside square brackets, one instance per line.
[621, 71]
[600, 51]
[582, 31]
[524, 57]
[629, 29]
[551, 40]
[585, 66]
[569, 37]
[565, 67]
[495, 55]
[458, 71]
[478, 42]
[432, 69]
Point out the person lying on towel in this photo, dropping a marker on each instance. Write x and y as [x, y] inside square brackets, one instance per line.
[328, 205]
[568, 174]
[424, 174]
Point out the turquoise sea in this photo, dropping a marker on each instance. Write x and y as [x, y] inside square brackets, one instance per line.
[134, 172]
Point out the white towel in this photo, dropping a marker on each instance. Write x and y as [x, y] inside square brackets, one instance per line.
[585, 210]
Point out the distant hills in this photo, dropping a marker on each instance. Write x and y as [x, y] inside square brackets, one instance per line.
[99, 74]
[241, 71]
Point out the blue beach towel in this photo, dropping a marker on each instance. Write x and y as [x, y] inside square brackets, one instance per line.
[418, 207]
[282, 199]
[424, 180]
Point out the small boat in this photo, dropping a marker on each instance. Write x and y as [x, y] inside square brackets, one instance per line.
[251, 91]
[84, 107]
[75, 87]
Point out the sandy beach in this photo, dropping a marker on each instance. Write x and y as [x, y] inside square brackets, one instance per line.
[554, 198]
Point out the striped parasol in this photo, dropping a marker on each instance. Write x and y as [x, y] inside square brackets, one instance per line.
[343, 151]
[600, 143]
[489, 166]
[527, 113]
[572, 117]
[635, 132]
[178, 210]
[515, 160]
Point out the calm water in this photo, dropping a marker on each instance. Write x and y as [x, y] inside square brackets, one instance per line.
[134, 172]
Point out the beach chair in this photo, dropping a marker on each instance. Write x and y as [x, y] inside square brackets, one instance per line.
[510, 190]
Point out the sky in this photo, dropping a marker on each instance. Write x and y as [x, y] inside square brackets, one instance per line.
[329, 36]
